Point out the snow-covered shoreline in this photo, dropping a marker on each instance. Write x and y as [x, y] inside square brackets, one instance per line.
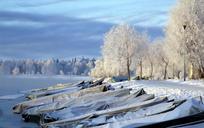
[175, 91]
[170, 88]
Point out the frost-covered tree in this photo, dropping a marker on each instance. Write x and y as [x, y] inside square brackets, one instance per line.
[150, 60]
[16, 71]
[81, 66]
[142, 42]
[121, 52]
[119, 49]
[176, 59]
[121, 44]
[30, 67]
[50, 67]
[162, 58]
[99, 70]
[6, 67]
[185, 33]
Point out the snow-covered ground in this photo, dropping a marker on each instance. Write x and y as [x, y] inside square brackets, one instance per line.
[171, 88]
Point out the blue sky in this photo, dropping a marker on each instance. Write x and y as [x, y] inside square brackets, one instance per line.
[42, 29]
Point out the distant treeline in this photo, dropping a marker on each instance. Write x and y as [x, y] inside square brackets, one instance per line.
[75, 66]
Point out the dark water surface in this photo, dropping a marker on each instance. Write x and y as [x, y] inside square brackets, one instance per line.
[14, 85]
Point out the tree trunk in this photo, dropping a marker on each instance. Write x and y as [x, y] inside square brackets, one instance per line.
[128, 68]
[178, 74]
[165, 71]
[173, 72]
[184, 70]
[151, 70]
[141, 72]
[200, 74]
[191, 72]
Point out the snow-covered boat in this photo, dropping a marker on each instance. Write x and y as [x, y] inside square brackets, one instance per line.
[36, 93]
[95, 104]
[33, 94]
[19, 108]
[112, 111]
[92, 105]
[34, 112]
[191, 109]
[141, 116]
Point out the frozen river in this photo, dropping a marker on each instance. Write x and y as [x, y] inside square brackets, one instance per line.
[14, 85]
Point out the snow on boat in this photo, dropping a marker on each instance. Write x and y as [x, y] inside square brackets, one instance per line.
[19, 108]
[98, 105]
[86, 99]
[111, 111]
[187, 109]
[138, 117]
[55, 87]
[32, 94]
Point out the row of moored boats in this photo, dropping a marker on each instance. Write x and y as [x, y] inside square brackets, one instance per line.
[97, 104]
